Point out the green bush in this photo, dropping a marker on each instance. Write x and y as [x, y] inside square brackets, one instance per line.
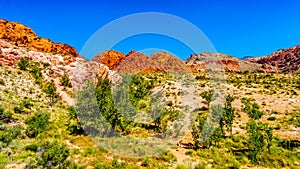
[167, 156]
[19, 109]
[10, 134]
[65, 81]
[37, 123]
[31, 147]
[2, 82]
[271, 118]
[23, 63]
[53, 155]
[73, 125]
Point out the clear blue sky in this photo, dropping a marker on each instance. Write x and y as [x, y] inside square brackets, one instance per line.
[236, 27]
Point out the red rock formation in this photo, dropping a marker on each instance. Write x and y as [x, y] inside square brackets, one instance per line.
[24, 36]
[284, 60]
[158, 62]
[110, 58]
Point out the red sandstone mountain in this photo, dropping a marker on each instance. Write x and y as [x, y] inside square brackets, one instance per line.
[283, 60]
[17, 41]
[24, 36]
[135, 62]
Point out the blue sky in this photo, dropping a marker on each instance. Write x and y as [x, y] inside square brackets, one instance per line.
[236, 27]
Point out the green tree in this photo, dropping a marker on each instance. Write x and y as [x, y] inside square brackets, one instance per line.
[208, 96]
[229, 115]
[50, 90]
[260, 135]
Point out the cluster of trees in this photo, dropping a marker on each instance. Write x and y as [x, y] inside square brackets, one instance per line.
[260, 134]
[210, 128]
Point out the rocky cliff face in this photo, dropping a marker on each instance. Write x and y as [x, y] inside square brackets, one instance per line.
[24, 36]
[284, 60]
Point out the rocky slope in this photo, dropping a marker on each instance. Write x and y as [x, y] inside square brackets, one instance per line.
[18, 41]
[283, 60]
[206, 60]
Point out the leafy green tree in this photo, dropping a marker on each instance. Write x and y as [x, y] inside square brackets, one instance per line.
[229, 115]
[50, 90]
[139, 88]
[207, 129]
[23, 63]
[37, 123]
[260, 135]
[208, 96]
[106, 105]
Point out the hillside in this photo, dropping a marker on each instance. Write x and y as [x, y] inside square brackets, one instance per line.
[283, 60]
[47, 119]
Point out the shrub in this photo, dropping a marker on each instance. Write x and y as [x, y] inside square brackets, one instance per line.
[31, 147]
[23, 63]
[73, 123]
[2, 82]
[53, 155]
[50, 90]
[10, 134]
[65, 81]
[37, 123]
[19, 109]
[271, 118]
[168, 157]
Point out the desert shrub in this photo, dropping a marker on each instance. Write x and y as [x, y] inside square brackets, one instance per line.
[9, 134]
[23, 63]
[32, 147]
[46, 64]
[53, 155]
[19, 109]
[65, 81]
[167, 156]
[252, 109]
[5, 116]
[73, 125]
[271, 118]
[2, 82]
[37, 123]
[170, 103]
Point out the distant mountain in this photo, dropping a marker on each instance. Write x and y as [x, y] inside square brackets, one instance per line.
[206, 60]
[283, 60]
